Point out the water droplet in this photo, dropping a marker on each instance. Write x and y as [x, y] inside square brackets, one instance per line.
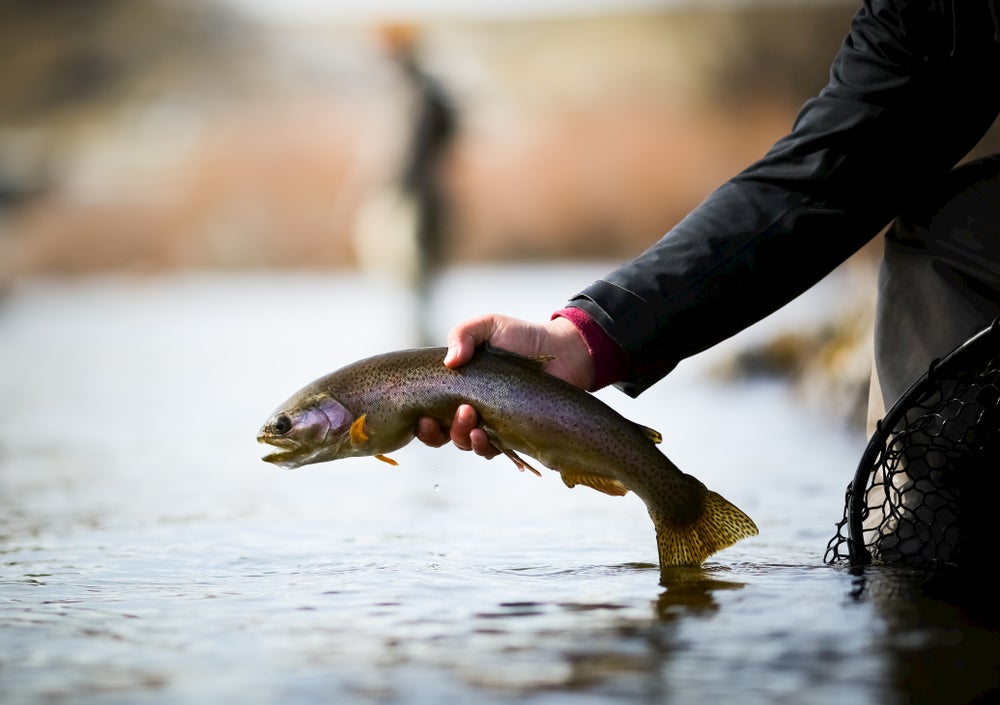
[437, 488]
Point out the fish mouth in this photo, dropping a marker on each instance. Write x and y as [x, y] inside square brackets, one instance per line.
[285, 459]
[288, 454]
[293, 453]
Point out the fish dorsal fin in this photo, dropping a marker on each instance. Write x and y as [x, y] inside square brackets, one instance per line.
[601, 483]
[535, 363]
[650, 433]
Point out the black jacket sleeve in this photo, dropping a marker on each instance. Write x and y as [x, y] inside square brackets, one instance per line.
[912, 89]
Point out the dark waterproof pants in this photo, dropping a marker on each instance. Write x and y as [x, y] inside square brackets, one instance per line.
[939, 283]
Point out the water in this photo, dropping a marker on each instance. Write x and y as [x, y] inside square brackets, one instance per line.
[149, 556]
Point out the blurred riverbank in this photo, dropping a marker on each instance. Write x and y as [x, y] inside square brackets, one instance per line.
[149, 136]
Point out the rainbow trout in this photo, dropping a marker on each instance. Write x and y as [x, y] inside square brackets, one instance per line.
[371, 408]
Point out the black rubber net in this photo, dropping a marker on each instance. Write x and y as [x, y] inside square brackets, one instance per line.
[927, 489]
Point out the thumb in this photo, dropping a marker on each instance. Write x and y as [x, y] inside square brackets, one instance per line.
[465, 337]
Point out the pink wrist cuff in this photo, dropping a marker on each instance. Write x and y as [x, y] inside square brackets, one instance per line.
[610, 361]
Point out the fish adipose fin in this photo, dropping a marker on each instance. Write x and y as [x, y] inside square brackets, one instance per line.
[607, 485]
[719, 525]
[650, 433]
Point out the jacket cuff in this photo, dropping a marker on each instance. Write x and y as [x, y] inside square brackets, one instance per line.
[610, 361]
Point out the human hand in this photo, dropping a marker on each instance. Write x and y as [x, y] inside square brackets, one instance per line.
[557, 338]
[463, 432]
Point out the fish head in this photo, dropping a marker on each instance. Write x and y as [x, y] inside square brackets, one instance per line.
[310, 430]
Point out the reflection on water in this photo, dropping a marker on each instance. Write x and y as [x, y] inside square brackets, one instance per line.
[941, 632]
[689, 591]
[149, 556]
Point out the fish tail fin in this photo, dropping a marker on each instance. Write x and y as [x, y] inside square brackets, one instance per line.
[718, 525]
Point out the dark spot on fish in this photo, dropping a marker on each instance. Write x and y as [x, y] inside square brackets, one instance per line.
[282, 424]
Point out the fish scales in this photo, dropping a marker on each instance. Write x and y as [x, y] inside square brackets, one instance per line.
[371, 408]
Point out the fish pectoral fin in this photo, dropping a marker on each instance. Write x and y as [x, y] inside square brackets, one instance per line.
[601, 483]
[650, 433]
[358, 435]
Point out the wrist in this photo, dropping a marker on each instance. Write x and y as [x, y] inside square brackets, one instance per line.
[573, 356]
[606, 361]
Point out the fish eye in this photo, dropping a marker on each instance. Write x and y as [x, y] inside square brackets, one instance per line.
[282, 424]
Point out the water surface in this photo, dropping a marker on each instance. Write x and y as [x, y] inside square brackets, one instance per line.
[149, 556]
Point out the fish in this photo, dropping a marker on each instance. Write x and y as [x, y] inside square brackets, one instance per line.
[371, 408]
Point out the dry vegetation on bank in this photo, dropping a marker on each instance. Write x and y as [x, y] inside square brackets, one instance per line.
[148, 135]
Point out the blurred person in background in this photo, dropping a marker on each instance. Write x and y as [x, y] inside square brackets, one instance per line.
[413, 211]
[912, 89]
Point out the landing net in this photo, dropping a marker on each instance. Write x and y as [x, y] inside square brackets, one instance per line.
[927, 489]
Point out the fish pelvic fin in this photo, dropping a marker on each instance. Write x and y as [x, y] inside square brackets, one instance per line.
[522, 464]
[601, 483]
[719, 525]
[386, 459]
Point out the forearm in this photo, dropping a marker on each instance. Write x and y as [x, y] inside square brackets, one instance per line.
[892, 120]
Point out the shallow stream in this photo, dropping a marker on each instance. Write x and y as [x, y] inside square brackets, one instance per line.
[148, 556]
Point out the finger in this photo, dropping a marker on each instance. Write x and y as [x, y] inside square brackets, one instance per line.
[430, 432]
[465, 422]
[481, 443]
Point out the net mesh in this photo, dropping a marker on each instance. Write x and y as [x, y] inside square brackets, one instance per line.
[926, 488]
